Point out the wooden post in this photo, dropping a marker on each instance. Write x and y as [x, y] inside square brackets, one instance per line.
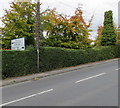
[38, 33]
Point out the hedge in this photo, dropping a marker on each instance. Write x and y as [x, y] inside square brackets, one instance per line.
[19, 63]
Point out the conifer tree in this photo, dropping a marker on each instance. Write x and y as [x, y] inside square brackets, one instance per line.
[108, 32]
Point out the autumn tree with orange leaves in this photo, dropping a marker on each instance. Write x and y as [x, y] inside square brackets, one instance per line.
[61, 30]
[99, 34]
[68, 32]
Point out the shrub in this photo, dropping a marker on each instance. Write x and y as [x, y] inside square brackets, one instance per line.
[19, 63]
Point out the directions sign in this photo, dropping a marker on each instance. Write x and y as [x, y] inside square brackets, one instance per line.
[18, 44]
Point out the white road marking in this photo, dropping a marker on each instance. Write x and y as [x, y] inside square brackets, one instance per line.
[90, 77]
[26, 97]
[118, 69]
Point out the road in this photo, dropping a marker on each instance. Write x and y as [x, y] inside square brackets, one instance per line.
[91, 86]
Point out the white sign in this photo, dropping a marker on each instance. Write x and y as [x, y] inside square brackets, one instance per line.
[18, 44]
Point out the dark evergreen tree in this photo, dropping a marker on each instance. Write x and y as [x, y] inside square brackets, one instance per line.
[108, 32]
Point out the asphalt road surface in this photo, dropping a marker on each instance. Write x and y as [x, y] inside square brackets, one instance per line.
[91, 86]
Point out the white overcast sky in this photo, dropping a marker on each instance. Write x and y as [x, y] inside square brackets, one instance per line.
[90, 7]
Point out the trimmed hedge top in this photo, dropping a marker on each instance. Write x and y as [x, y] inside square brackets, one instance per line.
[19, 63]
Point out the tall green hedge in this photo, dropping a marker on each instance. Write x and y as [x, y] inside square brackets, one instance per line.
[19, 63]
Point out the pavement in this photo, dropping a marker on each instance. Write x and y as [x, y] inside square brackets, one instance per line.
[37, 76]
[93, 84]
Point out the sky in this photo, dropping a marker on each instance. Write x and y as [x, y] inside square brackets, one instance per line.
[89, 7]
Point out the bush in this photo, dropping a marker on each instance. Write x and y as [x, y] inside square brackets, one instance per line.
[19, 63]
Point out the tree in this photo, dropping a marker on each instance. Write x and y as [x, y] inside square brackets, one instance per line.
[108, 32]
[68, 32]
[99, 35]
[62, 31]
[118, 35]
[0, 37]
[117, 29]
[19, 21]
